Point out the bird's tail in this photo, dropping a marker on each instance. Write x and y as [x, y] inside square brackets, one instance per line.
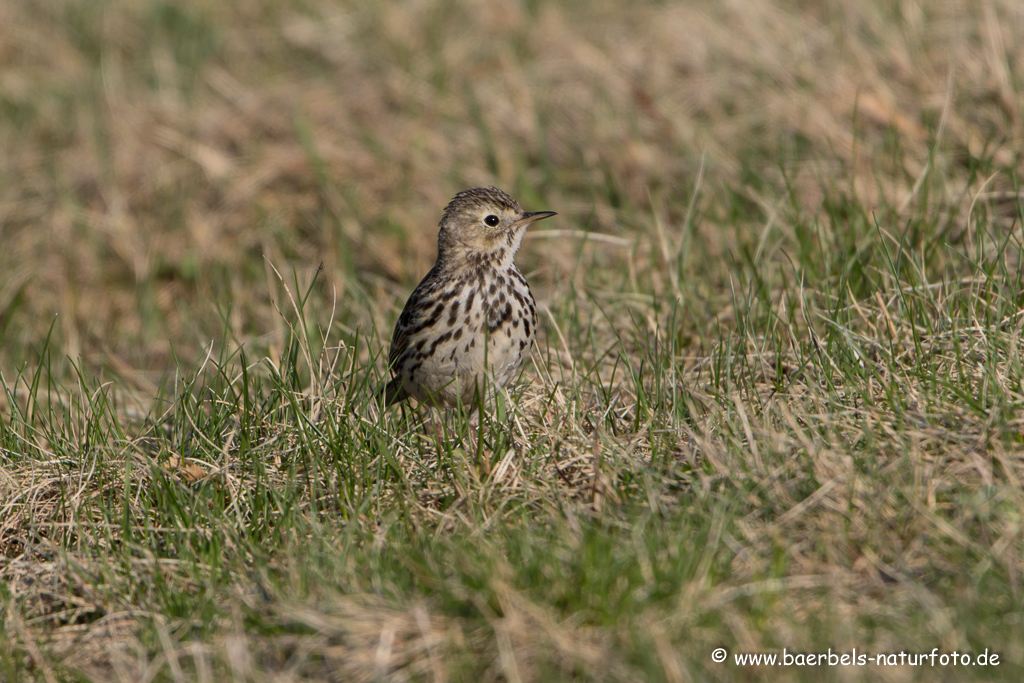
[393, 392]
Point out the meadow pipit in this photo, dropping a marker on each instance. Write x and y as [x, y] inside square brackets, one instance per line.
[471, 322]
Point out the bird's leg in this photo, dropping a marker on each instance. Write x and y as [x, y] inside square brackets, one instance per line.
[434, 418]
[483, 462]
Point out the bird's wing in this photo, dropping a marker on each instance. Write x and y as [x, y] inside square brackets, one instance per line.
[399, 342]
[410, 318]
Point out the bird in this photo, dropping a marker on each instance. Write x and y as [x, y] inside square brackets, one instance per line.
[469, 325]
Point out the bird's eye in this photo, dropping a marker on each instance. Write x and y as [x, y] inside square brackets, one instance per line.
[491, 220]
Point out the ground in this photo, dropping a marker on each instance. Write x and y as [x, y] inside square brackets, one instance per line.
[775, 405]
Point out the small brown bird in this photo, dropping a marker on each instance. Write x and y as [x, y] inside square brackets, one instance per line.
[471, 322]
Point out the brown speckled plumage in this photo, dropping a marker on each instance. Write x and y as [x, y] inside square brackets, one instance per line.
[473, 315]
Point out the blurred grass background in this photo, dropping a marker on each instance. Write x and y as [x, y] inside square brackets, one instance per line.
[156, 153]
[788, 245]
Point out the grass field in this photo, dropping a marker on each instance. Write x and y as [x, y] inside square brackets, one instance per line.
[776, 404]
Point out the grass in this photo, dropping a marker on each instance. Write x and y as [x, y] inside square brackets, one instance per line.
[775, 402]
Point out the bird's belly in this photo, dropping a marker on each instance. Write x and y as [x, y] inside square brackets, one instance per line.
[462, 366]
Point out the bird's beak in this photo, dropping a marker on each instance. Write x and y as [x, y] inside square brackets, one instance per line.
[533, 217]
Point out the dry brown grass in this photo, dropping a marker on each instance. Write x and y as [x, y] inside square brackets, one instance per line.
[140, 194]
